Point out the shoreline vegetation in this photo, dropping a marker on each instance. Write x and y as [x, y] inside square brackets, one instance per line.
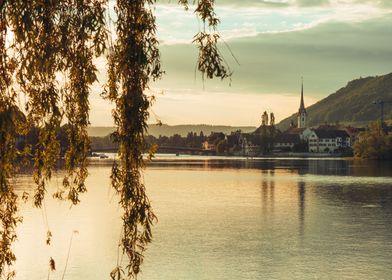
[375, 142]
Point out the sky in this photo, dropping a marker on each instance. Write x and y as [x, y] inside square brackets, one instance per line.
[275, 43]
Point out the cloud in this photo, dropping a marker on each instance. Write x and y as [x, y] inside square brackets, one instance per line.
[327, 44]
[327, 56]
[175, 26]
[310, 3]
[249, 18]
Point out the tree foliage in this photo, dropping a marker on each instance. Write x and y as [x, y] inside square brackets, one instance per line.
[8, 152]
[47, 54]
[374, 143]
[221, 147]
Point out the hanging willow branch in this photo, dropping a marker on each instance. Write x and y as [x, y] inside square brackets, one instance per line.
[8, 129]
[210, 62]
[83, 37]
[133, 61]
[37, 43]
[55, 43]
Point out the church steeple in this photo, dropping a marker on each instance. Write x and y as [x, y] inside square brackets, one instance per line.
[302, 115]
[302, 104]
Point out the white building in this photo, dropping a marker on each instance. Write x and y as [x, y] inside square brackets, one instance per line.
[326, 141]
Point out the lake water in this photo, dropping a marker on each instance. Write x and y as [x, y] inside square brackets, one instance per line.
[222, 218]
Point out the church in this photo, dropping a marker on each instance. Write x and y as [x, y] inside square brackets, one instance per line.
[302, 115]
[324, 139]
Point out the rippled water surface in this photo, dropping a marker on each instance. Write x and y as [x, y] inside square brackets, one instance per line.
[224, 219]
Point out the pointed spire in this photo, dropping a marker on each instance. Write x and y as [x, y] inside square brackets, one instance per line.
[302, 105]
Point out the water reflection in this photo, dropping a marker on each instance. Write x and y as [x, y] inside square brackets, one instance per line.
[365, 195]
[272, 188]
[224, 219]
[301, 166]
[267, 193]
[301, 206]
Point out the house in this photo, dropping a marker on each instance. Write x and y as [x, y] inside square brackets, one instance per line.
[208, 146]
[286, 141]
[303, 133]
[249, 145]
[212, 140]
[353, 132]
[328, 140]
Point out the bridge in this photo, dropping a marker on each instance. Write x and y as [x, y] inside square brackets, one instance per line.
[165, 150]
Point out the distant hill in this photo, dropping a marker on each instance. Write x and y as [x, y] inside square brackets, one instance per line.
[169, 130]
[352, 104]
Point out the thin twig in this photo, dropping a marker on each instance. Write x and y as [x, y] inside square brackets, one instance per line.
[69, 252]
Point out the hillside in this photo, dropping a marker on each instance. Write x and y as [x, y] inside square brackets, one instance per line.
[169, 130]
[352, 104]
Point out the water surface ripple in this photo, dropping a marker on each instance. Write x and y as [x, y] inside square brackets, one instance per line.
[224, 219]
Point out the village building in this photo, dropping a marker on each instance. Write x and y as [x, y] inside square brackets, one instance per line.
[303, 133]
[353, 132]
[295, 135]
[208, 146]
[212, 140]
[286, 141]
[328, 141]
[300, 139]
[324, 139]
[249, 147]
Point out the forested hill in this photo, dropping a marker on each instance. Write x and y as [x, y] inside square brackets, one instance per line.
[169, 130]
[352, 104]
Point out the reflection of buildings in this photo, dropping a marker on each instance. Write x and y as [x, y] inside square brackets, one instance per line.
[329, 167]
[288, 211]
[301, 206]
[337, 167]
[267, 192]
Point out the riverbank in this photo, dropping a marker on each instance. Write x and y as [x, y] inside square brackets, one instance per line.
[113, 155]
